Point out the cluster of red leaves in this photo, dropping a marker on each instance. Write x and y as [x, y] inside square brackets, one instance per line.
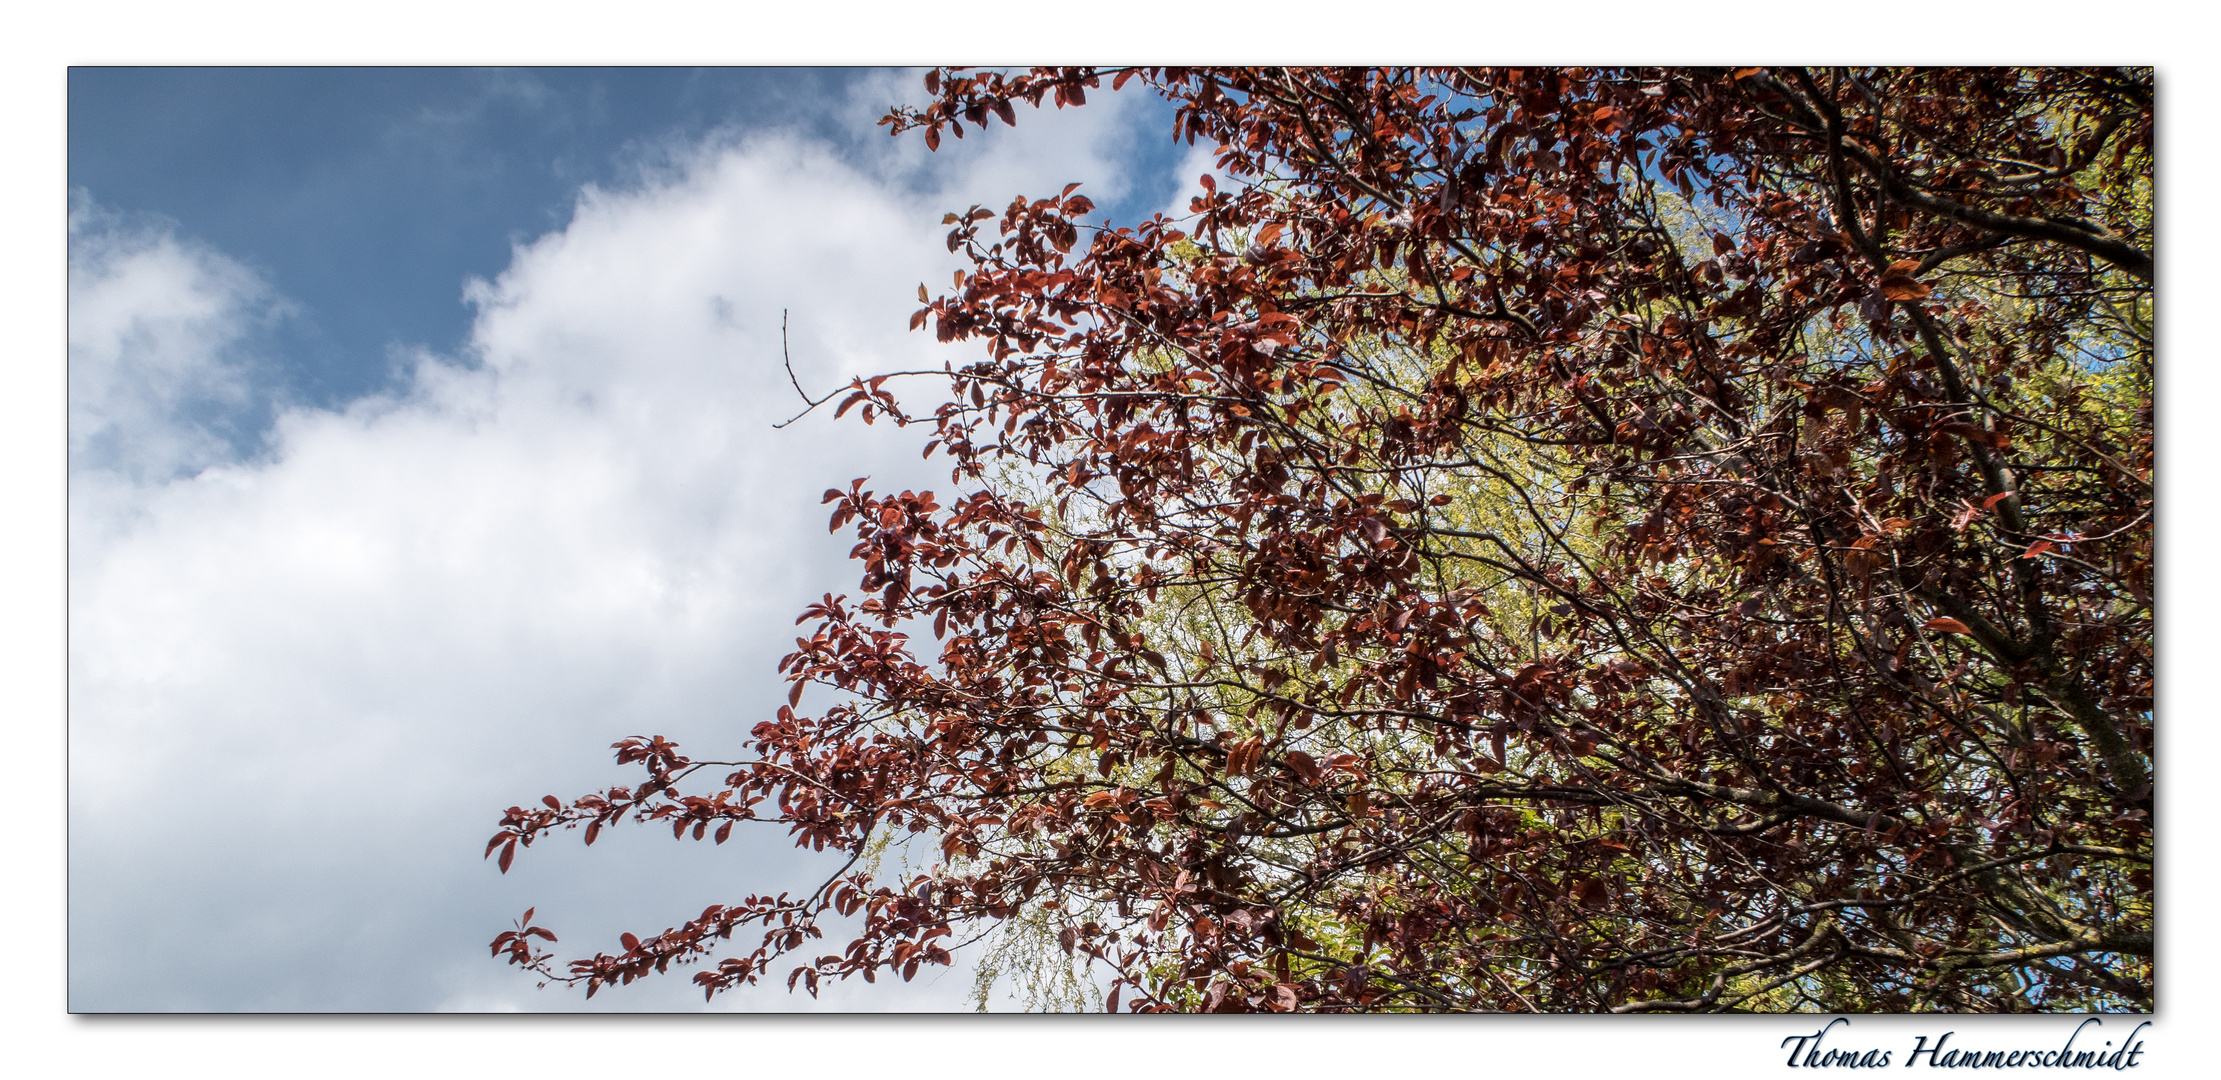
[1554, 540]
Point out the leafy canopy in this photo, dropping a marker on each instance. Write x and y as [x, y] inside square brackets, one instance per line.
[1544, 540]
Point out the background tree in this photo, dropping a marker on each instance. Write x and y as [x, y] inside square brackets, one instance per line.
[1553, 540]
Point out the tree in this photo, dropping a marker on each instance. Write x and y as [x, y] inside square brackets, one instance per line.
[1546, 540]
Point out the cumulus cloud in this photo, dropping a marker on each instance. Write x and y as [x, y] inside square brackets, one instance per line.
[1195, 162]
[1049, 148]
[161, 347]
[304, 682]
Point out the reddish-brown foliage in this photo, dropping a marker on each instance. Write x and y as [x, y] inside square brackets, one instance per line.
[1556, 540]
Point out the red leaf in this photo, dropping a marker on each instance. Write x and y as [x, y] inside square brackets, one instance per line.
[1593, 893]
[1947, 625]
[1898, 282]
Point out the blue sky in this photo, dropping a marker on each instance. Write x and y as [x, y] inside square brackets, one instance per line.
[420, 447]
[367, 195]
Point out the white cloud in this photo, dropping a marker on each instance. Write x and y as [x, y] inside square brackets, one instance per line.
[159, 335]
[304, 685]
[1195, 162]
[1049, 148]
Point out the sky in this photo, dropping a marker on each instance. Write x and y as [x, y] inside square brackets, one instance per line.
[262, 782]
[421, 445]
